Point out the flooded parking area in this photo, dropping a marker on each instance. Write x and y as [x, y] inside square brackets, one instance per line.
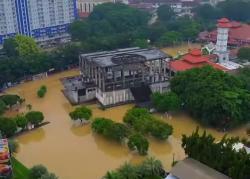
[74, 152]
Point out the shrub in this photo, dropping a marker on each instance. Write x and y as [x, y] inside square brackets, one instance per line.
[166, 102]
[142, 121]
[21, 121]
[139, 143]
[42, 91]
[35, 117]
[2, 106]
[37, 171]
[160, 130]
[10, 99]
[81, 113]
[7, 127]
[48, 176]
[110, 129]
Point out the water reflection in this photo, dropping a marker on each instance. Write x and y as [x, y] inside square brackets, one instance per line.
[111, 148]
[80, 130]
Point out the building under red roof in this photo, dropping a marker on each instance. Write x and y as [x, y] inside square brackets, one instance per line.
[194, 59]
[239, 34]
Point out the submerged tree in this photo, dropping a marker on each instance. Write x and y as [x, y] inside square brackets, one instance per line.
[35, 117]
[139, 143]
[81, 113]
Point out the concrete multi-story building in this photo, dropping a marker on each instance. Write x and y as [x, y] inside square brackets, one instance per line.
[85, 7]
[42, 19]
[119, 76]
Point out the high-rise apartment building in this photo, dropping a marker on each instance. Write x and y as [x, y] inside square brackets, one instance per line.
[41, 19]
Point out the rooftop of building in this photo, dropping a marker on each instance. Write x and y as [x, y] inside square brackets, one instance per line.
[124, 56]
[237, 32]
[190, 168]
[194, 59]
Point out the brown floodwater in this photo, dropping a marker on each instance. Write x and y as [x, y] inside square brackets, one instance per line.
[74, 152]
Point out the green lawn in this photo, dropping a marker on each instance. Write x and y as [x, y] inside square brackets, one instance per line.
[19, 170]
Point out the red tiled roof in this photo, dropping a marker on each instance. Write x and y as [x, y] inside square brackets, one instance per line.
[224, 23]
[194, 59]
[239, 34]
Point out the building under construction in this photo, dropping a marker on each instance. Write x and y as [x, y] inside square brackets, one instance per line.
[120, 76]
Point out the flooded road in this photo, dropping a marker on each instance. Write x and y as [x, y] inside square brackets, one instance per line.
[75, 152]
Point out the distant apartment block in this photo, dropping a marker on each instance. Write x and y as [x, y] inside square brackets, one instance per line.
[42, 19]
[85, 7]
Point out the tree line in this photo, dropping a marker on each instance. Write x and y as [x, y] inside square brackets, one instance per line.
[218, 155]
[237, 10]
[10, 126]
[213, 97]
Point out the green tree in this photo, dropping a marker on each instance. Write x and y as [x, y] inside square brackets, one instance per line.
[160, 130]
[37, 171]
[110, 129]
[139, 143]
[10, 47]
[81, 113]
[20, 45]
[42, 91]
[165, 13]
[2, 107]
[10, 99]
[207, 12]
[113, 175]
[218, 155]
[151, 168]
[230, 9]
[170, 38]
[142, 121]
[48, 176]
[168, 101]
[244, 53]
[7, 127]
[21, 121]
[213, 97]
[129, 171]
[35, 117]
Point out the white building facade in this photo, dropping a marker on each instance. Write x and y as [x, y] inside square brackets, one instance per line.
[41, 19]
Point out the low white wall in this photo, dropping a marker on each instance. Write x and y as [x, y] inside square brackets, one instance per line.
[114, 97]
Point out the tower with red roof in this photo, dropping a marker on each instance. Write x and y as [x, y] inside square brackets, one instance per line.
[223, 27]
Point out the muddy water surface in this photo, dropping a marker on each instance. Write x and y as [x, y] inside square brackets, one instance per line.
[74, 152]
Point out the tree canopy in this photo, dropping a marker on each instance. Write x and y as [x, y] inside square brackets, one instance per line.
[145, 123]
[213, 97]
[110, 26]
[20, 45]
[81, 113]
[165, 13]
[244, 53]
[35, 117]
[110, 129]
[150, 168]
[139, 143]
[218, 155]
[7, 127]
[166, 102]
